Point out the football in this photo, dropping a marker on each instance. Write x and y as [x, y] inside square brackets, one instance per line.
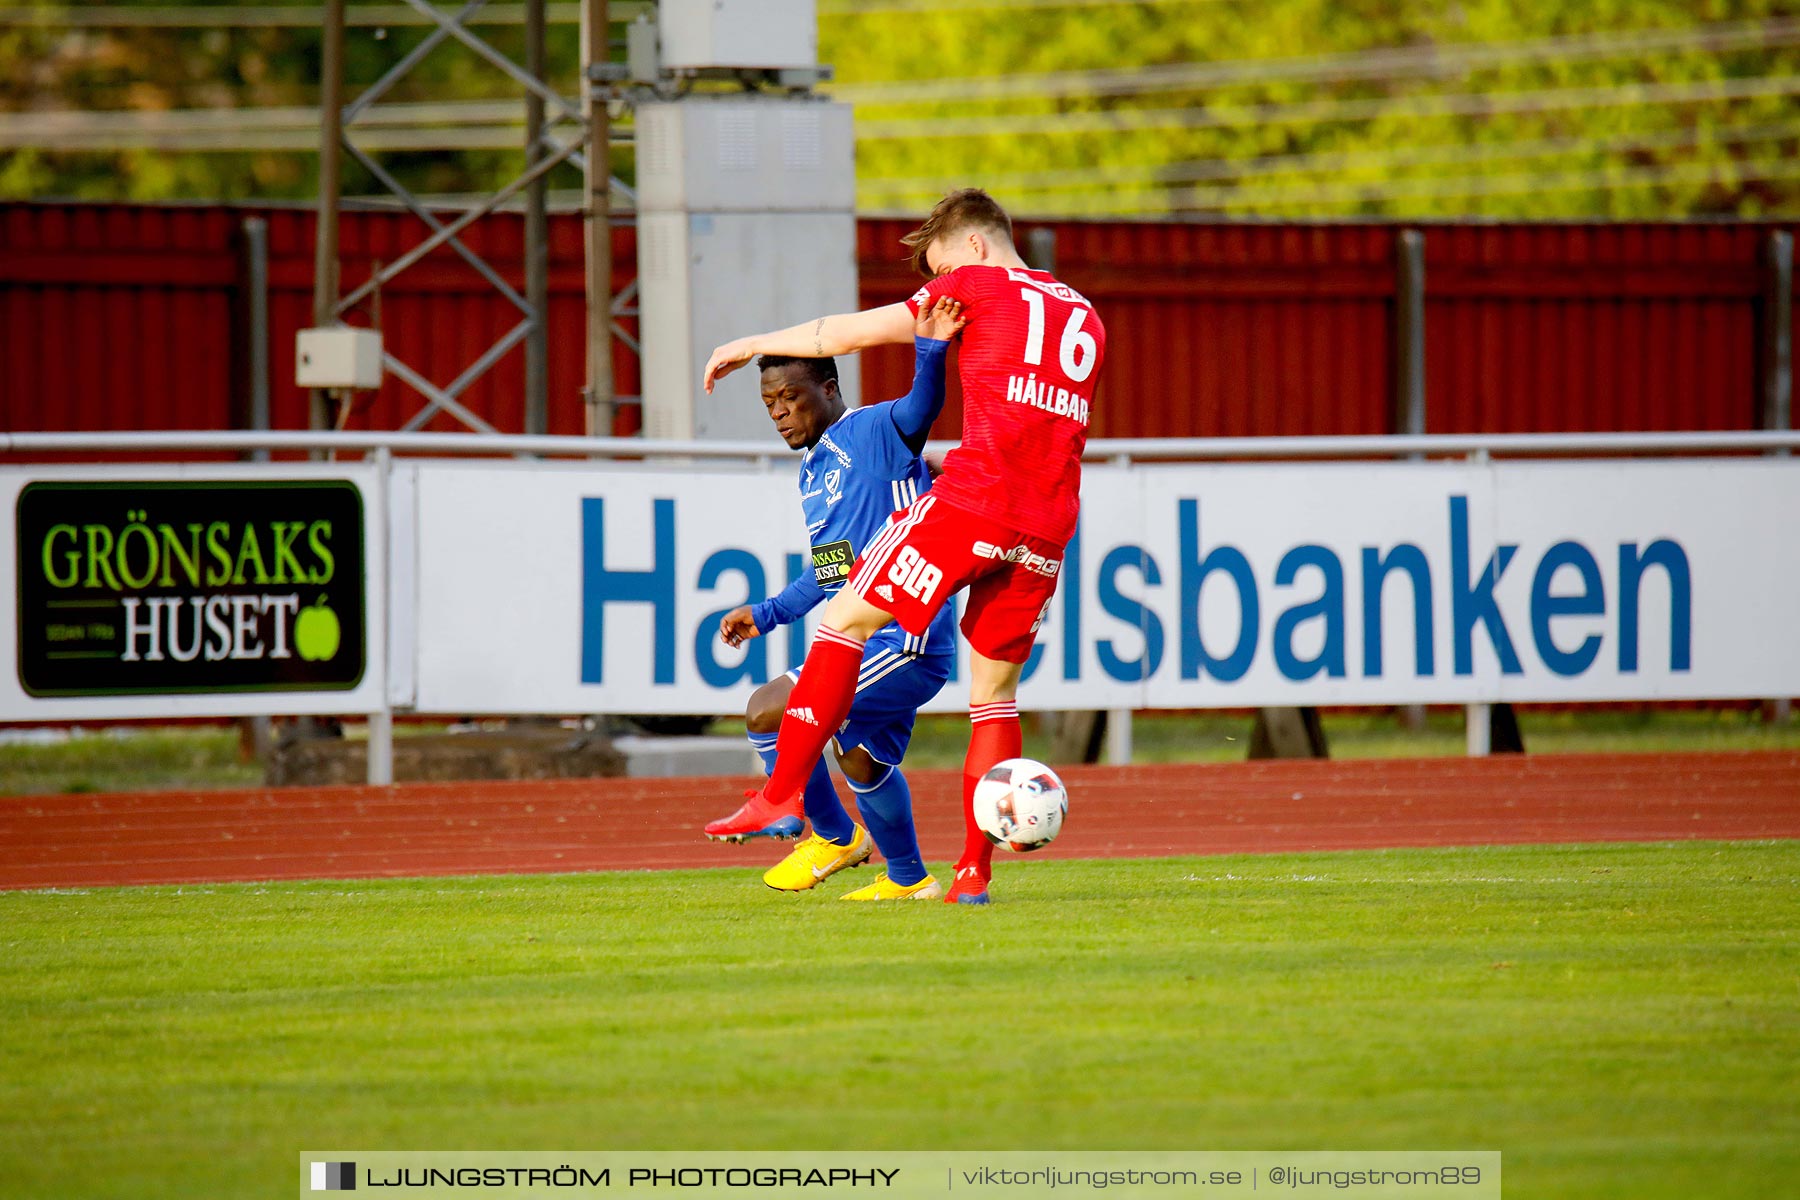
[1020, 804]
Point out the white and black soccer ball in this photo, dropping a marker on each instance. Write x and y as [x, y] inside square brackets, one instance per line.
[1020, 804]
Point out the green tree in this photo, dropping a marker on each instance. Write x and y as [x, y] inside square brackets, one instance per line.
[1287, 108]
[1571, 129]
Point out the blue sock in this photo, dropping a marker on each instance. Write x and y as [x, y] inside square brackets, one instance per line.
[764, 745]
[887, 810]
[823, 808]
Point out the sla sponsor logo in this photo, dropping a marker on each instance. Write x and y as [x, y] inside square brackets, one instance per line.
[916, 577]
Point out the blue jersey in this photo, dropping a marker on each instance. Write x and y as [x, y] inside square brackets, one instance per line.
[859, 473]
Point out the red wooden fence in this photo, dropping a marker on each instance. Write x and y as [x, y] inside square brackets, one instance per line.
[121, 317]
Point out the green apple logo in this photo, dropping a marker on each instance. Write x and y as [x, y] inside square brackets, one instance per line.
[316, 632]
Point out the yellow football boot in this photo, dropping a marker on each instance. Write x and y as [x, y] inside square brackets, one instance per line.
[886, 889]
[816, 859]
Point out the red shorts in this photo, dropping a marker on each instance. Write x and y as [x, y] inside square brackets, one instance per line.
[931, 550]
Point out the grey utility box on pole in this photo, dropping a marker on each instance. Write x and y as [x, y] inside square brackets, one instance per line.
[746, 223]
[703, 34]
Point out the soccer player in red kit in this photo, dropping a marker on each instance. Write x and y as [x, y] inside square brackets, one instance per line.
[997, 519]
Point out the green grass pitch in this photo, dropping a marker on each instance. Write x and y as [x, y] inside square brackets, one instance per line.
[1619, 1020]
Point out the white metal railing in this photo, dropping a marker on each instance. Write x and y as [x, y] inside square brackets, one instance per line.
[1117, 449]
[382, 446]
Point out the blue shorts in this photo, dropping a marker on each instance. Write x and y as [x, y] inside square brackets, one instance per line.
[889, 690]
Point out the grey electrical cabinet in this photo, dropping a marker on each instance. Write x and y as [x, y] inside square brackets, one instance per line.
[698, 34]
[746, 222]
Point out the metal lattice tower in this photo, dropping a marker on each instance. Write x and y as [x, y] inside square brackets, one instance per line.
[558, 130]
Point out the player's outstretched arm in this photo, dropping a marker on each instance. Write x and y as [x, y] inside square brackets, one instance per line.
[738, 626]
[826, 337]
[789, 605]
[940, 320]
[914, 413]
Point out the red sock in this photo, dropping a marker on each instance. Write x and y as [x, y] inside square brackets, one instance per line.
[822, 700]
[993, 737]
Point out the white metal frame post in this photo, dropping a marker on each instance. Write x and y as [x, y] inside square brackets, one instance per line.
[381, 721]
[1478, 729]
[1118, 737]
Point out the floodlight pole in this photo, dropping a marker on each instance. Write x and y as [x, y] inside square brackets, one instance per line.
[537, 251]
[597, 220]
[544, 151]
[325, 238]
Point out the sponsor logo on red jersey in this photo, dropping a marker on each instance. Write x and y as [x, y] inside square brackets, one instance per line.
[1048, 567]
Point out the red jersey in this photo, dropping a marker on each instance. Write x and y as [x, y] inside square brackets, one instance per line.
[1030, 358]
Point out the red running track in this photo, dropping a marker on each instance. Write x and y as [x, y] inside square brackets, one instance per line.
[621, 824]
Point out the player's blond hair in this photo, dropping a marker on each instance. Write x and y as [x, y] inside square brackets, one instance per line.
[959, 212]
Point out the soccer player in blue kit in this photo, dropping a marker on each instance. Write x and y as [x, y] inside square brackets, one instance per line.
[861, 466]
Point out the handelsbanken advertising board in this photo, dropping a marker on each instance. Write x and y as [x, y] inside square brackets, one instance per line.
[180, 587]
[1187, 586]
